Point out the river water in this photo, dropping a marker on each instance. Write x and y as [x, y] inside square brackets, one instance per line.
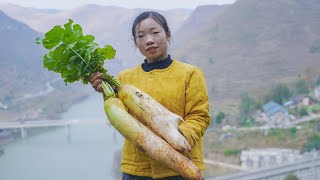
[90, 153]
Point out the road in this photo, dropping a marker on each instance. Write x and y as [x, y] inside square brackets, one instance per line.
[291, 125]
[305, 119]
[222, 164]
[307, 169]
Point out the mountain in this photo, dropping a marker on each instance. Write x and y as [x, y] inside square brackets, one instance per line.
[20, 64]
[199, 19]
[109, 24]
[35, 16]
[248, 46]
[27, 87]
[255, 44]
[24, 83]
[20, 57]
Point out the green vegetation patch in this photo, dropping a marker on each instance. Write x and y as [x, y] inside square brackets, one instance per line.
[315, 108]
[313, 143]
[291, 177]
[231, 152]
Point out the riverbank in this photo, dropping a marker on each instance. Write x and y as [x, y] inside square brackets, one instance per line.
[89, 152]
[51, 106]
[57, 109]
[47, 103]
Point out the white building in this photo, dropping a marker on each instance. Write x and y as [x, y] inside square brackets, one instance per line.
[263, 158]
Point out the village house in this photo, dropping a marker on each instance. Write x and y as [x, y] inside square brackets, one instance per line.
[299, 101]
[273, 114]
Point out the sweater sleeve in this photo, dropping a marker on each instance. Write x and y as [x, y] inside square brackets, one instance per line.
[197, 117]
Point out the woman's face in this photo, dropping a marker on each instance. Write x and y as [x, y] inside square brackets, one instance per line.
[151, 39]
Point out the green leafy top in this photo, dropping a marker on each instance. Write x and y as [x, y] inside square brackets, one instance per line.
[74, 55]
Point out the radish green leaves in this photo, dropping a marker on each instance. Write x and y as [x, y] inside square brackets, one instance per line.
[72, 54]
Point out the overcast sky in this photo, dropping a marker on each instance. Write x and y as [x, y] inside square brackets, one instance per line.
[158, 4]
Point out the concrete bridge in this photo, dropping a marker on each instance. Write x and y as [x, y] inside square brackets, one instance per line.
[23, 125]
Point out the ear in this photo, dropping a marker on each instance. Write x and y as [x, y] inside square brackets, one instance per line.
[168, 36]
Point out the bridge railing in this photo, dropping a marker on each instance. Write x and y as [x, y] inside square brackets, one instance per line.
[305, 169]
[23, 125]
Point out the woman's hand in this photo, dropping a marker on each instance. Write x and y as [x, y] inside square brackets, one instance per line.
[95, 80]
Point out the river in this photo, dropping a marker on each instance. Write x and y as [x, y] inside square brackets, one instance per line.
[89, 153]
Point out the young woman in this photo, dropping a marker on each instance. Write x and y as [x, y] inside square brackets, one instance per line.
[178, 86]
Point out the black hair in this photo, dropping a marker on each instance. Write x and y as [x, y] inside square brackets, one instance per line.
[155, 16]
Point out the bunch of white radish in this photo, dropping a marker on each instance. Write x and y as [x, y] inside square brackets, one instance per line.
[160, 138]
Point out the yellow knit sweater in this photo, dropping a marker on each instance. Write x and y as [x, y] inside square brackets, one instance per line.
[181, 88]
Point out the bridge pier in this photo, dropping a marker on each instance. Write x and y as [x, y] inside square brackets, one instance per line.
[68, 133]
[23, 133]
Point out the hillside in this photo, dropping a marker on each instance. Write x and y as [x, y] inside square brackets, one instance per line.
[199, 19]
[24, 77]
[20, 58]
[244, 47]
[255, 44]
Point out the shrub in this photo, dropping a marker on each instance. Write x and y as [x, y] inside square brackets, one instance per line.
[315, 109]
[220, 117]
[294, 112]
[301, 87]
[280, 93]
[231, 152]
[312, 143]
[303, 111]
[291, 177]
[246, 108]
[293, 131]
[247, 123]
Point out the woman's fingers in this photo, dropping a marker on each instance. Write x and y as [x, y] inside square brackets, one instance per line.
[95, 80]
[97, 85]
[92, 75]
[99, 88]
[95, 76]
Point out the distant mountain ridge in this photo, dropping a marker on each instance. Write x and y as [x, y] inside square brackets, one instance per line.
[23, 75]
[20, 64]
[21, 60]
[255, 44]
[109, 24]
[17, 47]
[198, 20]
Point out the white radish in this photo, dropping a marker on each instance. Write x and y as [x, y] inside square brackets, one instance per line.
[148, 142]
[154, 115]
